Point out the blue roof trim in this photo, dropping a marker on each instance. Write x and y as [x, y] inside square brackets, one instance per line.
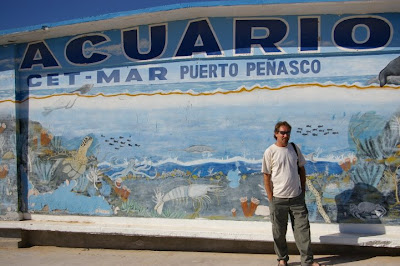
[164, 8]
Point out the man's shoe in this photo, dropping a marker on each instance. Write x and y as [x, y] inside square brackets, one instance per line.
[282, 263]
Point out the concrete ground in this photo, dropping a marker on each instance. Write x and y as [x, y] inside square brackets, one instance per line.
[50, 255]
[96, 241]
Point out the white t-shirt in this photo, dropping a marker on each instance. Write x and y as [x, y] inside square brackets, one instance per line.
[281, 164]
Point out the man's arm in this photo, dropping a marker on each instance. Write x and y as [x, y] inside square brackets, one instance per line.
[268, 186]
[302, 173]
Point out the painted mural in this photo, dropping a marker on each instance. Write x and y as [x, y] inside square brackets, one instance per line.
[150, 122]
[8, 153]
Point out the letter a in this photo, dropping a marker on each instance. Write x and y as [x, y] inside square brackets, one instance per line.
[199, 38]
[38, 54]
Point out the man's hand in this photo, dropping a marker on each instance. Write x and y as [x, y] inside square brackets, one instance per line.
[268, 186]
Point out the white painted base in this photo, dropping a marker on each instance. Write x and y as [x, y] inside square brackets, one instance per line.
[340, 234]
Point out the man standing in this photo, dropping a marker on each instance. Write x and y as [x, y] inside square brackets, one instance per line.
[285, 180]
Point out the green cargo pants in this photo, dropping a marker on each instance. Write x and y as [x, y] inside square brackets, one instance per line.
[280, 210]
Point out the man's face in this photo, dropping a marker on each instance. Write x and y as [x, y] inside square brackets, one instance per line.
[282, 136]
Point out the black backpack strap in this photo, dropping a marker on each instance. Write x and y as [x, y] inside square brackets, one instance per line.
[298, 167]
[294, 147]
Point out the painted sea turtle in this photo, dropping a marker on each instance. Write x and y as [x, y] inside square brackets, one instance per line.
[70, 164]
[75, 165]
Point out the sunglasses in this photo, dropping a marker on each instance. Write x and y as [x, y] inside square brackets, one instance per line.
[284, 132]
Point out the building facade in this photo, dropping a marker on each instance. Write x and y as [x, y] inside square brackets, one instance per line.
[166, 113]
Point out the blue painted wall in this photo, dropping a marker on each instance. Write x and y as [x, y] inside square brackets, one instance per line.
[171, 120]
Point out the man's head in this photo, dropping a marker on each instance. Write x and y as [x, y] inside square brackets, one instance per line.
[282, 133]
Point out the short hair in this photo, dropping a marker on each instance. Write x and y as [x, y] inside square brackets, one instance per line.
[279, 124]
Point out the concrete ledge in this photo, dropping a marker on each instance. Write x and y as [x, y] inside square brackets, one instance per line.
[10, 238]
[9, 242]
[361, 235]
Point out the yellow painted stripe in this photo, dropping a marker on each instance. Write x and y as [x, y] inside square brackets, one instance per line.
[241, 90]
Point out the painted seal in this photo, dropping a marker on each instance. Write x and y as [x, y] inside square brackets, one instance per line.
[392, 69]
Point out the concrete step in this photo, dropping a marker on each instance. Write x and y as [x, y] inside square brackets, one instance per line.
[8, 242]
[10, 238]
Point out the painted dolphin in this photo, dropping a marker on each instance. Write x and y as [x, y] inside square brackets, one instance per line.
[392, 69]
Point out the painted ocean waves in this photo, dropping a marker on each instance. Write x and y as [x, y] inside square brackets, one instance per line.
[201, 159]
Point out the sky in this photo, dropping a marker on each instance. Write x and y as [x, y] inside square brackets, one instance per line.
[16, 14]
[23, 13]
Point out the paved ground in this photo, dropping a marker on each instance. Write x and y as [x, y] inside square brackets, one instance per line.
[39, 255]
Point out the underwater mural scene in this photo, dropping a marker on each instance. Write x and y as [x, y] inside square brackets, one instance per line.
[9, 184]
[124, 124]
